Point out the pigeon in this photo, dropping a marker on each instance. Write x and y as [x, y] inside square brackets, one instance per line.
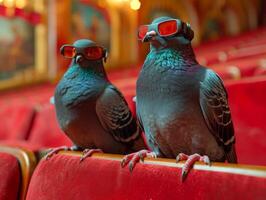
[90, 110]
[181, 105]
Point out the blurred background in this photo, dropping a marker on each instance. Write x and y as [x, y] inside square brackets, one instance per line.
[230, 37]
[32, 31]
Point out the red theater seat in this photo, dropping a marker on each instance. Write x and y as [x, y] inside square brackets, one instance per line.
[101, 177]
[245, 52]
[214, 57]
[228, 73]
[28, 95]
[46, 131]
[16, 167]
[9, 176]
[24, 144]
[230, 48]
[247, 66]
[247, 101]
[16, 120]
[260, 72]
[238, 41]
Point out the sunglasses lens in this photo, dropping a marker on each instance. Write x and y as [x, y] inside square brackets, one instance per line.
[68, 51]
[167, 28]
[142, 31]
[94, 53]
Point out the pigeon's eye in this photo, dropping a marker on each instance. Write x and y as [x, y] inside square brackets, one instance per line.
[142, 31]
[168, 28]
[94, 53]
[68, 51]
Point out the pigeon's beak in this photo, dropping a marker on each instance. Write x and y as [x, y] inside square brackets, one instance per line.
[149, 36]
[79, 59]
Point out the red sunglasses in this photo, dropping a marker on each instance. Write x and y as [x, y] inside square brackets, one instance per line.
[91, 53]
[165, 28]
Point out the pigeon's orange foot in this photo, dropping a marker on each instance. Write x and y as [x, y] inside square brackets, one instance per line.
[56, 150]
[89, 152]
[133, 158]
[190, 161]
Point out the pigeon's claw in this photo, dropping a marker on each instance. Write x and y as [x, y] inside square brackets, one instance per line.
[190, 161]
[126, 159]
[55, 151]
[132, 159]
[89, 152]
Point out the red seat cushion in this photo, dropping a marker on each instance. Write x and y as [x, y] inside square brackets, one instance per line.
[247, 102]
[260, 72]
[9, 177]
[16, 120]
[64, 177]
[46, 131]
[247, 66]
[228, 73]
[28, 95]
[225, 43]
[24, 144]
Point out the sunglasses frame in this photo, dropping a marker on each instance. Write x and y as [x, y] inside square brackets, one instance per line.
[156, 25]
[79, 51]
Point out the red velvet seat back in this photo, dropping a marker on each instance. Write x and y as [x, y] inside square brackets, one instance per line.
[247, 101]
[46, 131]
[9, 177]
[64, 177]
[16, 120]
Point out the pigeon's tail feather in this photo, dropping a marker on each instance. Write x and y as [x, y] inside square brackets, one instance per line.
[231, 156]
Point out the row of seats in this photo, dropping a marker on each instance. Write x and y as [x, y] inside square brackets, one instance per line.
[38, 128]
[16, 168]
[29, 126]
[101, 177]
[236, 57]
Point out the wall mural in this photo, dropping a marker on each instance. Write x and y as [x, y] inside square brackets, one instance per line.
[17, 46]
[21, 39]
[90, 21]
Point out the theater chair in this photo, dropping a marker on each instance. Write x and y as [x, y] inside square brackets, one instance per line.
[261, 70]
[244, 52]
[16, 168]
[251, 38]
[30, 95]
[46, 131]
[101, 177]
[16, 120]
[231, 48]
[247, 102]
[214, 57]
[247, 66]
[228, 73]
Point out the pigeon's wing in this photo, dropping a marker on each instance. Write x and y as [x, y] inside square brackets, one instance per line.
[115, 116]
[215, 109]
[139, 121]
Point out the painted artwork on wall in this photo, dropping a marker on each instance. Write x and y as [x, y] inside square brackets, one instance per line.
[90, 21]
[22, 42]
[17, 47]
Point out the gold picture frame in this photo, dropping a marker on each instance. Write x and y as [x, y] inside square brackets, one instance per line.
[23, 43]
